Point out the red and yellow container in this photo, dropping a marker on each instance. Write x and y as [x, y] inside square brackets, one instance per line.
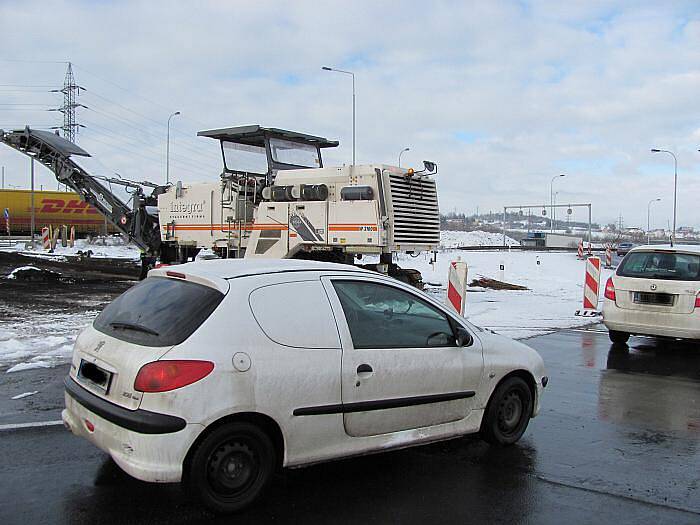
[50, 207]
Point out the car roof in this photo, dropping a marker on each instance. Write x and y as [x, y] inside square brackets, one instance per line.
[215, 269]
[684, 248]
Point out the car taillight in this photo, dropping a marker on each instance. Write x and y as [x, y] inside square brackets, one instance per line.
[697, 301]
[610, 289]
[163, 376]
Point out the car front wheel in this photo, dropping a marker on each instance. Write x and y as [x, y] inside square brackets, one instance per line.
[232, 467]
[618, 338]
[508, 412]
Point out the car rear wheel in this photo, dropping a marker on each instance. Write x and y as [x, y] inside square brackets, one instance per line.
[232, 467]
[618, 338]
[507, 413]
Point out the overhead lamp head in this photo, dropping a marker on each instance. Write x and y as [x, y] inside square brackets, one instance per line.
[430, 167]
[654, 150]
[326, 68]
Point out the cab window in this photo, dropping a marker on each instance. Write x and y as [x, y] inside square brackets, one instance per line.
[381, 316]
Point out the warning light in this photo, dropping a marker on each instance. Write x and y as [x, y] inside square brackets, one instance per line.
[123, 219]
[410, 171]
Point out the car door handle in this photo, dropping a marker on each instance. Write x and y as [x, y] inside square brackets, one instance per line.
[364, 368]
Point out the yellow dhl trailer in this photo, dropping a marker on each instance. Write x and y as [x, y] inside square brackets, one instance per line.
[50, 208]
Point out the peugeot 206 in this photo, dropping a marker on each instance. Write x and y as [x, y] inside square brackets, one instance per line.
[217, 373]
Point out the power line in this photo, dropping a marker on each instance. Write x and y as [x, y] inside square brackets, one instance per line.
[156, 122]
[186, 162]
[140, 129]
[25, 109]
[29, 85]
[136, 94]
[30, 61]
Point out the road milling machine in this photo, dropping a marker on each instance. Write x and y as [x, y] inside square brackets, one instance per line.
[274, 199]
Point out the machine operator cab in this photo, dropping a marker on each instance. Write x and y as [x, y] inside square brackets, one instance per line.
[255, 151]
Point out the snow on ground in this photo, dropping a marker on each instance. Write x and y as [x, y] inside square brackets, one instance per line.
[41, 344]
[113, 247]
[555, 288]
[455, 239]
[13, 273]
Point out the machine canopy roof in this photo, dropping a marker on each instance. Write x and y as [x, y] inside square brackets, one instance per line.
[63, 146]
[255, 136]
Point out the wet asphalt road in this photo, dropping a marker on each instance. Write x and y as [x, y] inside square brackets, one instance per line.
[617, 441]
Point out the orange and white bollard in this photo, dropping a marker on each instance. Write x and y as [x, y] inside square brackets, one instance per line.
[608, 257]
[591, 287]
[45, 238]
[457, 286]
[590, 249]
[71, 239]
[54, 237]
[580, 249]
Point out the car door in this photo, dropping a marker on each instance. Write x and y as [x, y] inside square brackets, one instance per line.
[401, 365]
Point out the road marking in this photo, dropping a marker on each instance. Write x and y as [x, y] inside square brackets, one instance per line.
[17, 426]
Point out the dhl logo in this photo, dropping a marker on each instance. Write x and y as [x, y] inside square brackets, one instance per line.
[61, 206]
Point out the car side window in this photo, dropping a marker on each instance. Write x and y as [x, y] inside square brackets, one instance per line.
[295, 314]
[381, 316]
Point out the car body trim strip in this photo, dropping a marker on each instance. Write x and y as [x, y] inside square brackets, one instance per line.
[382, 404]
[141, 421]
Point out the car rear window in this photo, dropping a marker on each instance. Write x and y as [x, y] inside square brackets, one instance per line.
[158, 312]
[661, 265]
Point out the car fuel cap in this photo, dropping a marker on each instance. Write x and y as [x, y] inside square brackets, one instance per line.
[241, 361]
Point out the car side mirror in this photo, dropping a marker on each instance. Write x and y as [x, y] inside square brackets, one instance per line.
[464, 338]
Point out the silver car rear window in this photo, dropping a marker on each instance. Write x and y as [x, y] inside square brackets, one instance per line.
[661, 265]
[158, 312]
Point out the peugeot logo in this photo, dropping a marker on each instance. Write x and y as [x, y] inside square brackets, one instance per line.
[653, 287]
[99, 346]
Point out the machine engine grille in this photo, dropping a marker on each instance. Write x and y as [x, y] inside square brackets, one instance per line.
[415, 211]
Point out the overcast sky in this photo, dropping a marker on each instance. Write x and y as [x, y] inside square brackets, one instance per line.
[502, 95]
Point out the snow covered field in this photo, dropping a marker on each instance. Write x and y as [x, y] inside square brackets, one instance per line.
[555, 288]
[42, 346]
[555, 291]
[114, 247]
[454, 239]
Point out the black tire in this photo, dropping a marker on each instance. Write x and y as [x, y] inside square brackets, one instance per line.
[618, 338]
[507, 413]
[232, 467]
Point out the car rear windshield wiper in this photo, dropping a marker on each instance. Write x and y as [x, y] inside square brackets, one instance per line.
[132, 326]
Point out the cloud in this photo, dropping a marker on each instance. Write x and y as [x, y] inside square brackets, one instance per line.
[501, 94]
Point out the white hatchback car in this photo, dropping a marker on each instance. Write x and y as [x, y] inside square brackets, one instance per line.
[654, 292]
[218, 372]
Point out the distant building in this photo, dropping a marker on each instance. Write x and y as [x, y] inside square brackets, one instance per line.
[550, 240]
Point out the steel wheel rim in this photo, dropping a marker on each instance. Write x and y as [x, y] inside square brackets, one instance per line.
[510, 412]
[232, 468]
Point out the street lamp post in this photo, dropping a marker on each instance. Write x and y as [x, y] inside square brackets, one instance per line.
[402, 152]
[326, 68]
[167, 151]
[649, 218]
[551, 200]
[675, 188]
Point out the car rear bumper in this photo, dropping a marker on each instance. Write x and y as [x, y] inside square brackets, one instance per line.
[148, 456]
[683, 326]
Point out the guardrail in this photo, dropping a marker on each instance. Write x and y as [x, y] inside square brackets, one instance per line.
[524, 248]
